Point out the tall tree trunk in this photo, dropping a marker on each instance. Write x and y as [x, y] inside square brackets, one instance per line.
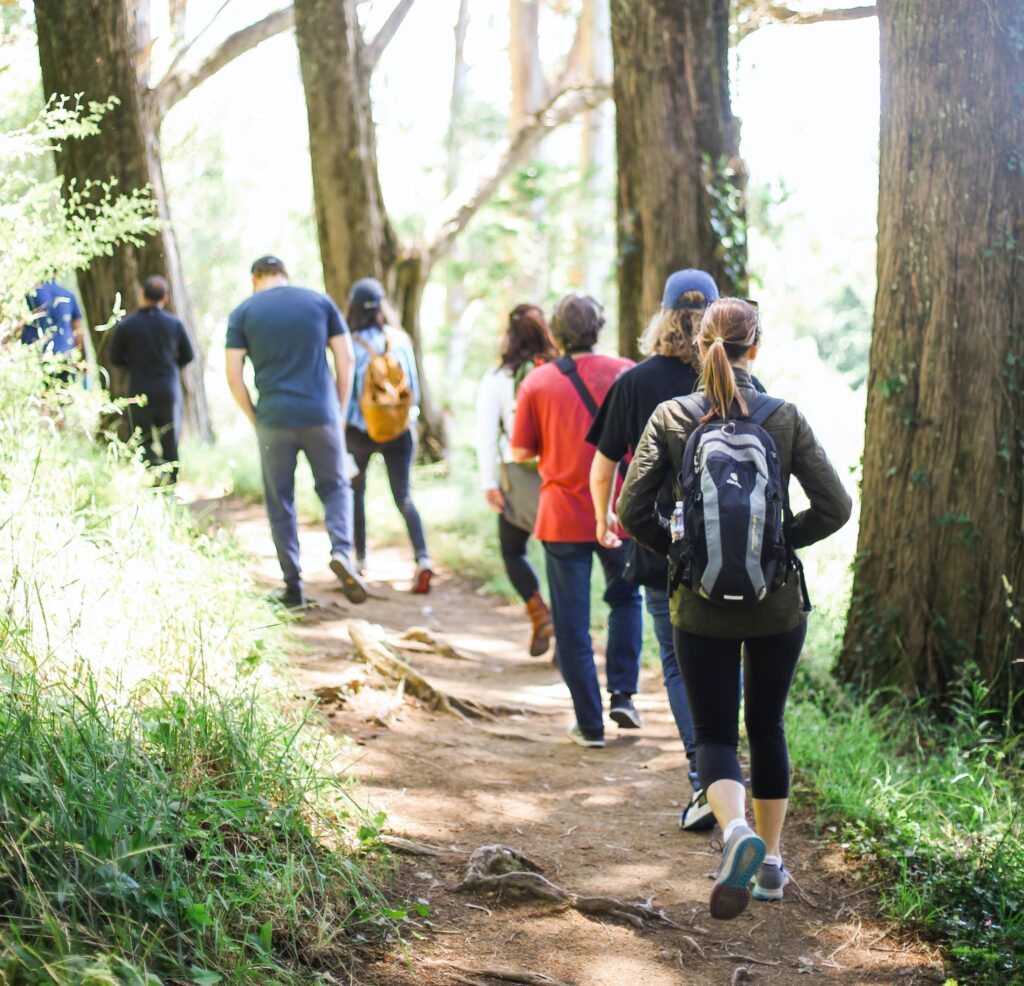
[595, 146]
[529, 88]
[125, 149]
[680, 175]
[939, 577]
[455, 293]
[356, 237]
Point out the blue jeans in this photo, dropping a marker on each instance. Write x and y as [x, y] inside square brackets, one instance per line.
[568, 567]
[324, 448]
[658, 606]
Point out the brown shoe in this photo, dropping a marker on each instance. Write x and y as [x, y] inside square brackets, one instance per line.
[543, 631]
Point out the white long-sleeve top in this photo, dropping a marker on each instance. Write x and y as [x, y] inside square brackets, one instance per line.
[495, 411]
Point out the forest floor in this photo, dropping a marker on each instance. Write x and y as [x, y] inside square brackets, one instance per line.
[599, 822]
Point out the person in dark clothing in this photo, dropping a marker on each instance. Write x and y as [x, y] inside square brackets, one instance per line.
[285, 333]
[710, 636]
[154, 346]
[56, 326]
[670, 370]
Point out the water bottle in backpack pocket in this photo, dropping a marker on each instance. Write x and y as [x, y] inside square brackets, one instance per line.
[734, 503]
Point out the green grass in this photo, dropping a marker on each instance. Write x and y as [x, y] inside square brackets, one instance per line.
[168, 813]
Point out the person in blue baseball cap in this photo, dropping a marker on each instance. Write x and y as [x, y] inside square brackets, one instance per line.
[670, 370]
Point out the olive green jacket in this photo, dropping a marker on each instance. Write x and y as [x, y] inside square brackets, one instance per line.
[661, 452]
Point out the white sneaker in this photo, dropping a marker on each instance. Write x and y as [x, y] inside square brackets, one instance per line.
[582, 739]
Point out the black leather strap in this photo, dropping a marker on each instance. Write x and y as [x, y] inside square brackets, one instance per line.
[568, 366]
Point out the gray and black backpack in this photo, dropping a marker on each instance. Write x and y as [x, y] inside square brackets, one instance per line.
[735, 549]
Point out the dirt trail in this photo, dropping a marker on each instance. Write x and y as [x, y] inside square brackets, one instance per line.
[597, 821]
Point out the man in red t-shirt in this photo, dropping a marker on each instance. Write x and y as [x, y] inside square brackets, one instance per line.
[555, 406]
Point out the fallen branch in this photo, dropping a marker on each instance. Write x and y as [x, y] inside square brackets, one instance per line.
[411, 847]
[429, 641]
[372, 650]
[505, 975]
[497, 868]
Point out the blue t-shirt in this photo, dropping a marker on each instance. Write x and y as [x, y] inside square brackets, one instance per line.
[285, 332]
[401, 346]
[54, 308]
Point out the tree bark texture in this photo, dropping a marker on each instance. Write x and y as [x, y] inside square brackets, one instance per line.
[126, 149]
[677, 143]
[356, 237]
[939, 576]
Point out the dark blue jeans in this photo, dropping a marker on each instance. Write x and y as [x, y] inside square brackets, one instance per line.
[398, 456]
[324, 448]
[568, 567]
[658, 606]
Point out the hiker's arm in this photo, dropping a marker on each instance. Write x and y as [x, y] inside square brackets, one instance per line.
[344, 368]
[638, 501]
[234, 362]
[525, 438]
[602, 488]
[831, 505]
[185, 351]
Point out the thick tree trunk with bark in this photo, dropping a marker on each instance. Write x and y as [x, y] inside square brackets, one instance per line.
[126, 149]
[939, 578]
[680, 175]
[356, 238]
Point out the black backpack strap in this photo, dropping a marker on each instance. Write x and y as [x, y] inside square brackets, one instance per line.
[695, 405]
[568, 367]
[762, 407]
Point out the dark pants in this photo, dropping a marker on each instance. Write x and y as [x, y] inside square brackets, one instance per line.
[711, 670]
[513, 553]
[324, 448]
[160, 422]
[398, 456]
[568, 565]
[658, 606]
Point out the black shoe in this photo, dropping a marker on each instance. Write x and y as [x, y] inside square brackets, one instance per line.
[351, 584]
[698, 816]
[623, 712]
[294, 599]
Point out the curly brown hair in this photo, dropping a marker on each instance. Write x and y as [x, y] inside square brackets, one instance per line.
[527, 338]
[670, 332]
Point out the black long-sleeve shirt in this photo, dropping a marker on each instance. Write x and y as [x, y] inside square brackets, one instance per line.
[153, 345]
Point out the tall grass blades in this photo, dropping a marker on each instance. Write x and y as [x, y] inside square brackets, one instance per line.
[164, 815]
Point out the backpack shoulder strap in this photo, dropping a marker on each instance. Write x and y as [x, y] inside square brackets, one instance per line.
[762, 408]
[357, 337]
[695, 405]
[568, 367]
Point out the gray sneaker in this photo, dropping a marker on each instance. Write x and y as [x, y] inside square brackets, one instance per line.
[741, 859]
[769, 882]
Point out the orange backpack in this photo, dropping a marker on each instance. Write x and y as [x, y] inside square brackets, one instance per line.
[386, 399]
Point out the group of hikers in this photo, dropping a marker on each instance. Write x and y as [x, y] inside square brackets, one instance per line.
[673, 472]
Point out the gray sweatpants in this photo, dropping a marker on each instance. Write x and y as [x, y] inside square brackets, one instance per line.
[324, 448]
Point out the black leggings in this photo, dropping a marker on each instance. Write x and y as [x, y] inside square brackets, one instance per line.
[513, 553]
[711, 671]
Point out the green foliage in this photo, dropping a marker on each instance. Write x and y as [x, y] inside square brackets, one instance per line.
[932, 808]
[722, 185]
[43, 230]
[165, 811]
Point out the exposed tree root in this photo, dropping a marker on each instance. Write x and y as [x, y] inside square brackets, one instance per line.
[366, 638]
[497, 868]
[503, 975]
[411, 847]
[422, 639]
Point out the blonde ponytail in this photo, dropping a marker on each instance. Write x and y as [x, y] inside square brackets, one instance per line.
[727, 331]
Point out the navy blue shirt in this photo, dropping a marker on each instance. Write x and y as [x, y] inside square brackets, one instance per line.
[54, 308]
[154, 345]
[285, 331]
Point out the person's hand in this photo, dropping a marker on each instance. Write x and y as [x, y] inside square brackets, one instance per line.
[606, 536]
[495, 500]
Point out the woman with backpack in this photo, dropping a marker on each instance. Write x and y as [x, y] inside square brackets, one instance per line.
[382, 417]
[735, 580]
[512, 489]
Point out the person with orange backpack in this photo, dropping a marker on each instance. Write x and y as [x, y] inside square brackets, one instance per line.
[382, 416]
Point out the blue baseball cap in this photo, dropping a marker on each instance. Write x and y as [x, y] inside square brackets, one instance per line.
[367, 293]
[689, 280]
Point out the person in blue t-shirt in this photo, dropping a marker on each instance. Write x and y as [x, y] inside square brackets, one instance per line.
[285, 332]
[368, 318]
[56, 322]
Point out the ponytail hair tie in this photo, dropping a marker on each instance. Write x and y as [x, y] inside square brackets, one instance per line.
[718, 339]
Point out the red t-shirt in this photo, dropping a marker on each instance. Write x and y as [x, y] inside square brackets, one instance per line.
[552, 421]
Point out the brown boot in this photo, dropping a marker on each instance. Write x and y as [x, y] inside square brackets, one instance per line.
[543, 631]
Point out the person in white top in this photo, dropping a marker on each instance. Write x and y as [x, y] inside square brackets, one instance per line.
[512, 489]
